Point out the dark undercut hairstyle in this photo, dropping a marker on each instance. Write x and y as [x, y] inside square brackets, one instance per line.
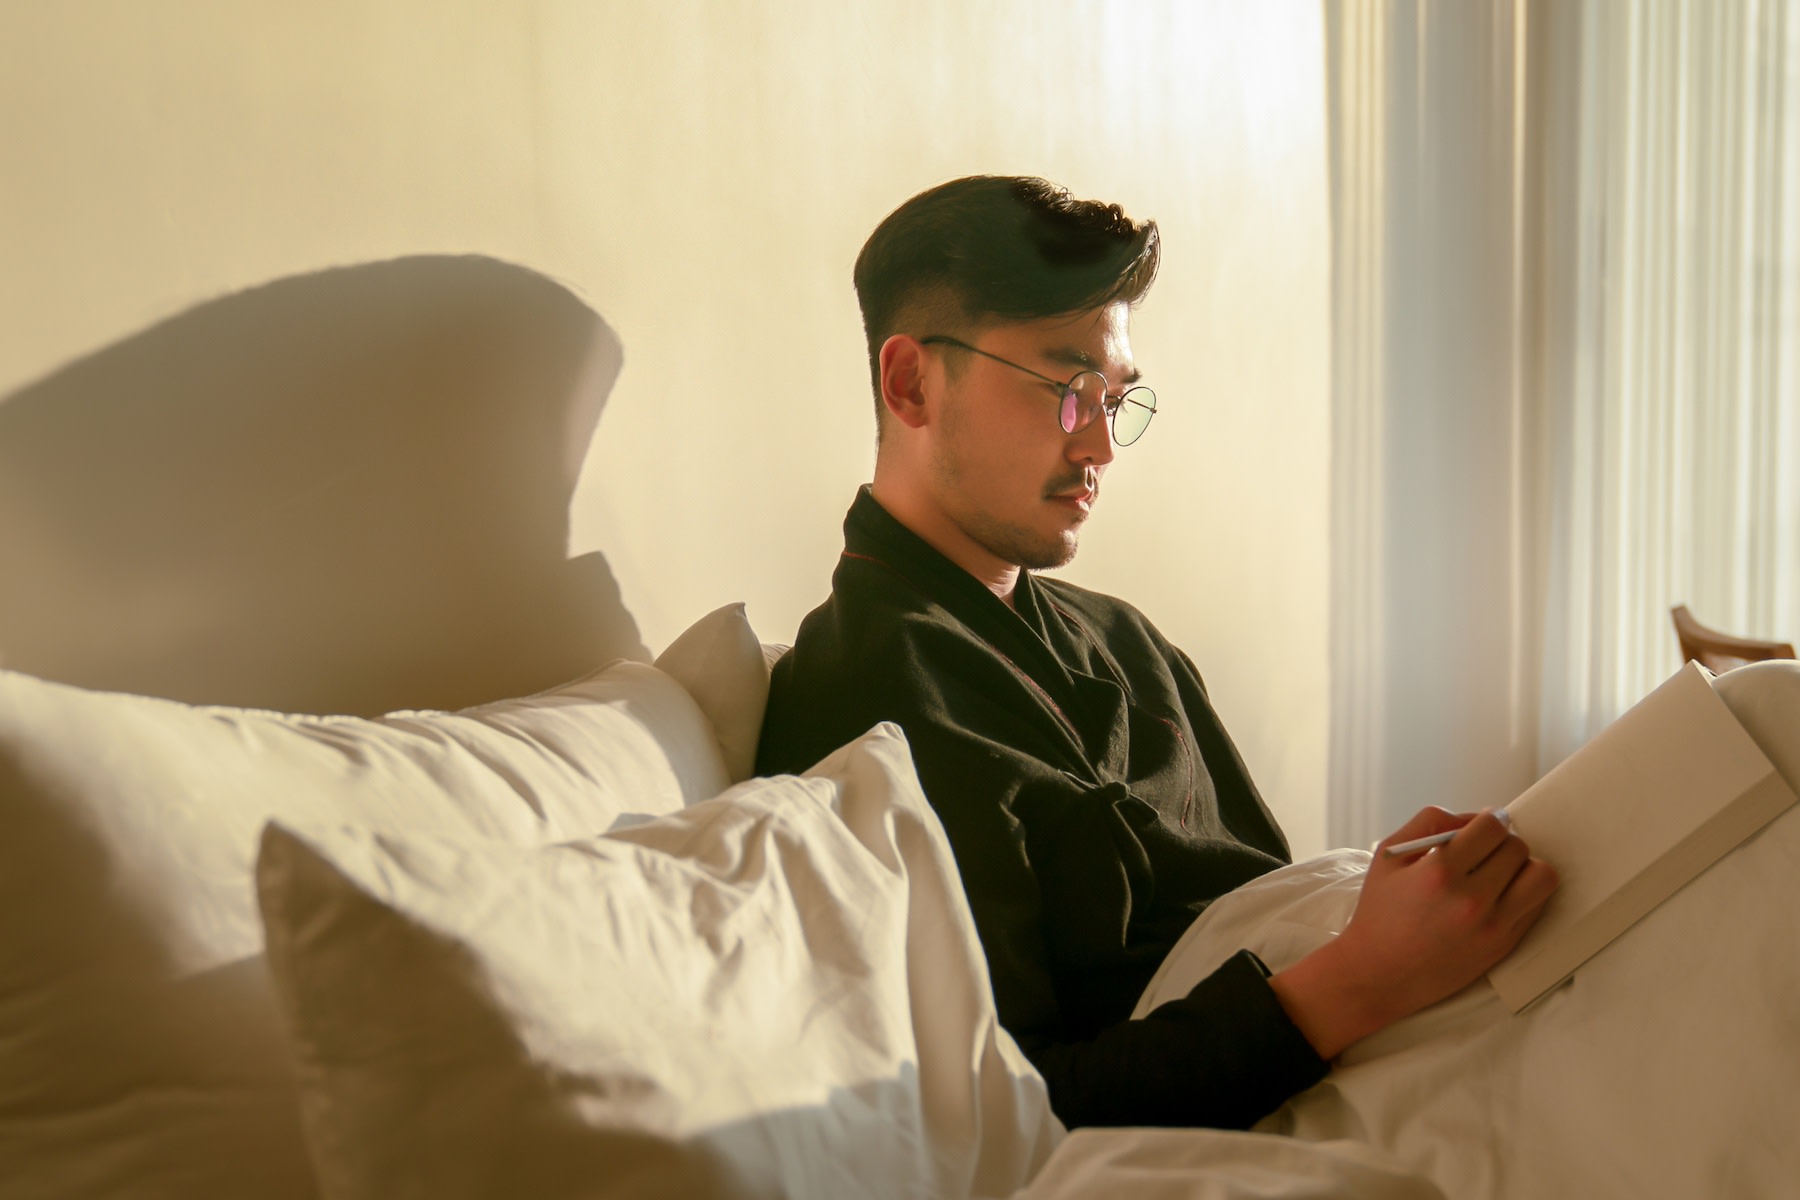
[996, 248]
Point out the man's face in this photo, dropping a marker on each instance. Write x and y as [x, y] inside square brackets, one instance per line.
[1005, 473]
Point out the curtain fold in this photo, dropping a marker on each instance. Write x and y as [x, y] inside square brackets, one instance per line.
[1355, 67]
[1431, 610]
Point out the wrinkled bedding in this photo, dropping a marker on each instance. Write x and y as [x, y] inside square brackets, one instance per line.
[1664, 1068]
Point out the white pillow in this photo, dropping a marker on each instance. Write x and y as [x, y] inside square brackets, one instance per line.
[721, 664]
[775, 993]
[1765, 698]
[140, 1052]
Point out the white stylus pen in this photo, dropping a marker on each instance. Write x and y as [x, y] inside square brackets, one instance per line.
[1438, 839]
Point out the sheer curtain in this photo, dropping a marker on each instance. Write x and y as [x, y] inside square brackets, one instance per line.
[1566, 327]
[1671, 383]
[1433, 636]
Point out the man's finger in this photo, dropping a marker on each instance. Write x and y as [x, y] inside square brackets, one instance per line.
[1495, 873]
[1530, 889]
[1480, 837]
[1424, 823]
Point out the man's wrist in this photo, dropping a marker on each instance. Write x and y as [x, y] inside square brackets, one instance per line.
[1332, 1003]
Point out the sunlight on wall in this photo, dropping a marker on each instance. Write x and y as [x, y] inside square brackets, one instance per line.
[703, 175]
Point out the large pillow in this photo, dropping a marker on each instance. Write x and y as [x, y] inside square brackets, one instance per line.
[140, 1052]
[726, 670]
[775, 993]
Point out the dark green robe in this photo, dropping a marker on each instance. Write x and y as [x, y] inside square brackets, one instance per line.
[1095, 806]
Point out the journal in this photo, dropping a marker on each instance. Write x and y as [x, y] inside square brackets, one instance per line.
[1653, 800]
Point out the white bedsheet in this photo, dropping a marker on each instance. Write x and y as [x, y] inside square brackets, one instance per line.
[1210, 1164]
[1665, 1068]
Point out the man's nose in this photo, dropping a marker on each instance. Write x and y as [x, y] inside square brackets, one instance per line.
[1092, 446]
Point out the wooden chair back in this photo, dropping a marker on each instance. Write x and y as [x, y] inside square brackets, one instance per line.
[1720, 652]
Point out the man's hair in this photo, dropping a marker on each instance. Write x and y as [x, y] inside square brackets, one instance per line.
[996, 248]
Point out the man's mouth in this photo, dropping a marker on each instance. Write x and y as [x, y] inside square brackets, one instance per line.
[1079, 494]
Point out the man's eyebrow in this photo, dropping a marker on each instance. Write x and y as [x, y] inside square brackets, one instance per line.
[1080, 359]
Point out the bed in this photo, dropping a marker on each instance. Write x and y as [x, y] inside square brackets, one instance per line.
[456, 890]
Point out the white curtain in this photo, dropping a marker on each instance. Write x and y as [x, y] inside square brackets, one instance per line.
[1671, 381]
[1566, 330]
[1432, 640]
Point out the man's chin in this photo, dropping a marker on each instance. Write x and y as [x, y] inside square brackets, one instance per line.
[1059, 552]
[1036, 548]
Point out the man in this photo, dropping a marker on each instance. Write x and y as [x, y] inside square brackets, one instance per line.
[1092, 797]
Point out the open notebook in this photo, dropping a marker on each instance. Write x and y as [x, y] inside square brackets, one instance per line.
[1653, 800]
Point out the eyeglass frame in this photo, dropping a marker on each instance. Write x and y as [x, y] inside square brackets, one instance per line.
[1067, 390]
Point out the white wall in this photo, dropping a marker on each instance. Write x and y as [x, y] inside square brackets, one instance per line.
[703, 174]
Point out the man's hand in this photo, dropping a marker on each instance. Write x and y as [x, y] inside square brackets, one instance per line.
[1426, 926]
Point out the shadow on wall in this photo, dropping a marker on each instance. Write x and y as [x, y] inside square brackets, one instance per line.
[339, 492]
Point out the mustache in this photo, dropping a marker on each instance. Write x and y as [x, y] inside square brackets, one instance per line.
[1087, 480]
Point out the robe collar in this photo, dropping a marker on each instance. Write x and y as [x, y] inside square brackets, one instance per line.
[872, 533]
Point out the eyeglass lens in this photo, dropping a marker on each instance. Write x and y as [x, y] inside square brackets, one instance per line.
[1085, 399]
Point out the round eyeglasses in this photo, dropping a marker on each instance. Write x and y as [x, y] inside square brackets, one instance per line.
[1084, 397]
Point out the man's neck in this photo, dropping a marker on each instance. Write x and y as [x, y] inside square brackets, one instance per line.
[944, 536]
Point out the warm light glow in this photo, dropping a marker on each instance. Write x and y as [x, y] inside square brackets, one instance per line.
[703, 175]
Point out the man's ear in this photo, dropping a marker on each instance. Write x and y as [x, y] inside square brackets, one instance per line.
[903, 365]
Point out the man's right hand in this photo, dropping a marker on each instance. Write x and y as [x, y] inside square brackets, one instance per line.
[1426, 926]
